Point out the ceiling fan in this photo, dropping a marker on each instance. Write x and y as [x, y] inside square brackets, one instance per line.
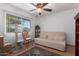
[40, 7]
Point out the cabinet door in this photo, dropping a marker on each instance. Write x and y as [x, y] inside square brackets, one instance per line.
[77, 37]
[77, 51]
[77, 28]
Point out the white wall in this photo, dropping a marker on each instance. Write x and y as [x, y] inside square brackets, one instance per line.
[60, 22]
[10, 37]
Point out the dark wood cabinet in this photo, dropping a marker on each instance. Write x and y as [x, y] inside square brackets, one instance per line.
[77, 35]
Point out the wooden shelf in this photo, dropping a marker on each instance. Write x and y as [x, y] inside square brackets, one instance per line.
[37, 31]
[77, 24]
[77, 32]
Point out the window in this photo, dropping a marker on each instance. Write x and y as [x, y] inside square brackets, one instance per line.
[15, 23]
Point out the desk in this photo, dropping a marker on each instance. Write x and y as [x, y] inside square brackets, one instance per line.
[1, 41]
[5, 48]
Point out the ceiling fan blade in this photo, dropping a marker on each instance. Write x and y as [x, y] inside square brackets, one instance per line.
[39, 5]
[44, 4]
[46, 9]
[33, 4]
[32, 9]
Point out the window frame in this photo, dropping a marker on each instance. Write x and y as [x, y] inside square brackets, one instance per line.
[17, 15]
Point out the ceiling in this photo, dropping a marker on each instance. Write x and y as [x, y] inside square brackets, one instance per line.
[56, 7]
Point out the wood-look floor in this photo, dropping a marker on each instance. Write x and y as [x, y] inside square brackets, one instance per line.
[70, 50]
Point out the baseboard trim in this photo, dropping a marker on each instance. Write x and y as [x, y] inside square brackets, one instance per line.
[70, 45]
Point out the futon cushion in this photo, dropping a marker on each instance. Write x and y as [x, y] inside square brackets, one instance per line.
[59, 38]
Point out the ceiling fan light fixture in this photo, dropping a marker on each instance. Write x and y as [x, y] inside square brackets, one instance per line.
[39, 10]
[40, 13]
